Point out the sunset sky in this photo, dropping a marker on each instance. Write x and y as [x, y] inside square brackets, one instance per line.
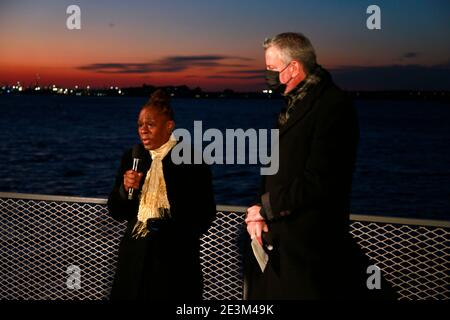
[218, 44]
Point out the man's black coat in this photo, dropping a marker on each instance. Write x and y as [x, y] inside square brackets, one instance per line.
[307, 204]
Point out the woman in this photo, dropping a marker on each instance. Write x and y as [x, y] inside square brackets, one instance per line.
[171, 208]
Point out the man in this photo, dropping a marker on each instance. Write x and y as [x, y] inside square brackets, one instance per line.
[303, 209]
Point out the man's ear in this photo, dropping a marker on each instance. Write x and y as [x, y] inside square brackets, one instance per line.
[298, 68]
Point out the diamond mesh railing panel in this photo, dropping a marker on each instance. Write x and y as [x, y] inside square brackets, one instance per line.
[40, 240]
[221, 257]
[414, 259]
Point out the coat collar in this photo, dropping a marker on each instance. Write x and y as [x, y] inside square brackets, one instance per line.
[305, 105]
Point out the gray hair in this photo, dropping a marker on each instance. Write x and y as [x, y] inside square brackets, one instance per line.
[294, 46]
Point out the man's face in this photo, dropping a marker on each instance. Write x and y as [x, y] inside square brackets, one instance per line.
[154, 128]
[275, 63]
[291, 74]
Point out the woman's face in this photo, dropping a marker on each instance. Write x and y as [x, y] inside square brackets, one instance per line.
[154, 128]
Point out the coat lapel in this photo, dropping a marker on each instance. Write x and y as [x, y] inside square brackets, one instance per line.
[302, 108]
[301, 111]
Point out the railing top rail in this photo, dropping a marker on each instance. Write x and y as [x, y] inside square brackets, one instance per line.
[232, 208]
[400, 220]
[45, 197]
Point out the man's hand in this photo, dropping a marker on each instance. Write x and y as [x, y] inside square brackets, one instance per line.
[132, 179]
[255, 223]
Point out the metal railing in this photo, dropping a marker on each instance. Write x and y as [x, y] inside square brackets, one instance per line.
[46, 240]
[413, 254]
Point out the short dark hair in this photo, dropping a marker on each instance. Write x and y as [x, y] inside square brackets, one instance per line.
[160, 100]
[294, 46]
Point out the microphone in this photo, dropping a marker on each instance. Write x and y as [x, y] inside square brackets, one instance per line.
[136, 158]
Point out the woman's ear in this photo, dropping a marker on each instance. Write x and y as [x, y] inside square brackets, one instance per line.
[170, 125]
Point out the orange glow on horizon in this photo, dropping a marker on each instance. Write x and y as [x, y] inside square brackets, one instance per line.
[70, 77]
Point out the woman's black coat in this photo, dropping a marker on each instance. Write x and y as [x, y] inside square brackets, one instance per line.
[165, 264]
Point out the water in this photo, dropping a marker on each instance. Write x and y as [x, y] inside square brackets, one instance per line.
[73, 145]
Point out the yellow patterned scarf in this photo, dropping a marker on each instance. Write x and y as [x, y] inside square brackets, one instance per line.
[153, 200]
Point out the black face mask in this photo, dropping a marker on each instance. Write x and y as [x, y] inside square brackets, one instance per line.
[273, 81]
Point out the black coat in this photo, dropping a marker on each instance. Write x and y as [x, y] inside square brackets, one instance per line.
[165, 264]
[307, 204]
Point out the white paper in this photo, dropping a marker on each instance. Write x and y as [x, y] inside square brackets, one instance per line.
[260, 255]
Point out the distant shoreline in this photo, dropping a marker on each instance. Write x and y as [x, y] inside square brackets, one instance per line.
[198, 93]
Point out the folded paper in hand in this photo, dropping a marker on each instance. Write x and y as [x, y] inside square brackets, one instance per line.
[261, 256]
